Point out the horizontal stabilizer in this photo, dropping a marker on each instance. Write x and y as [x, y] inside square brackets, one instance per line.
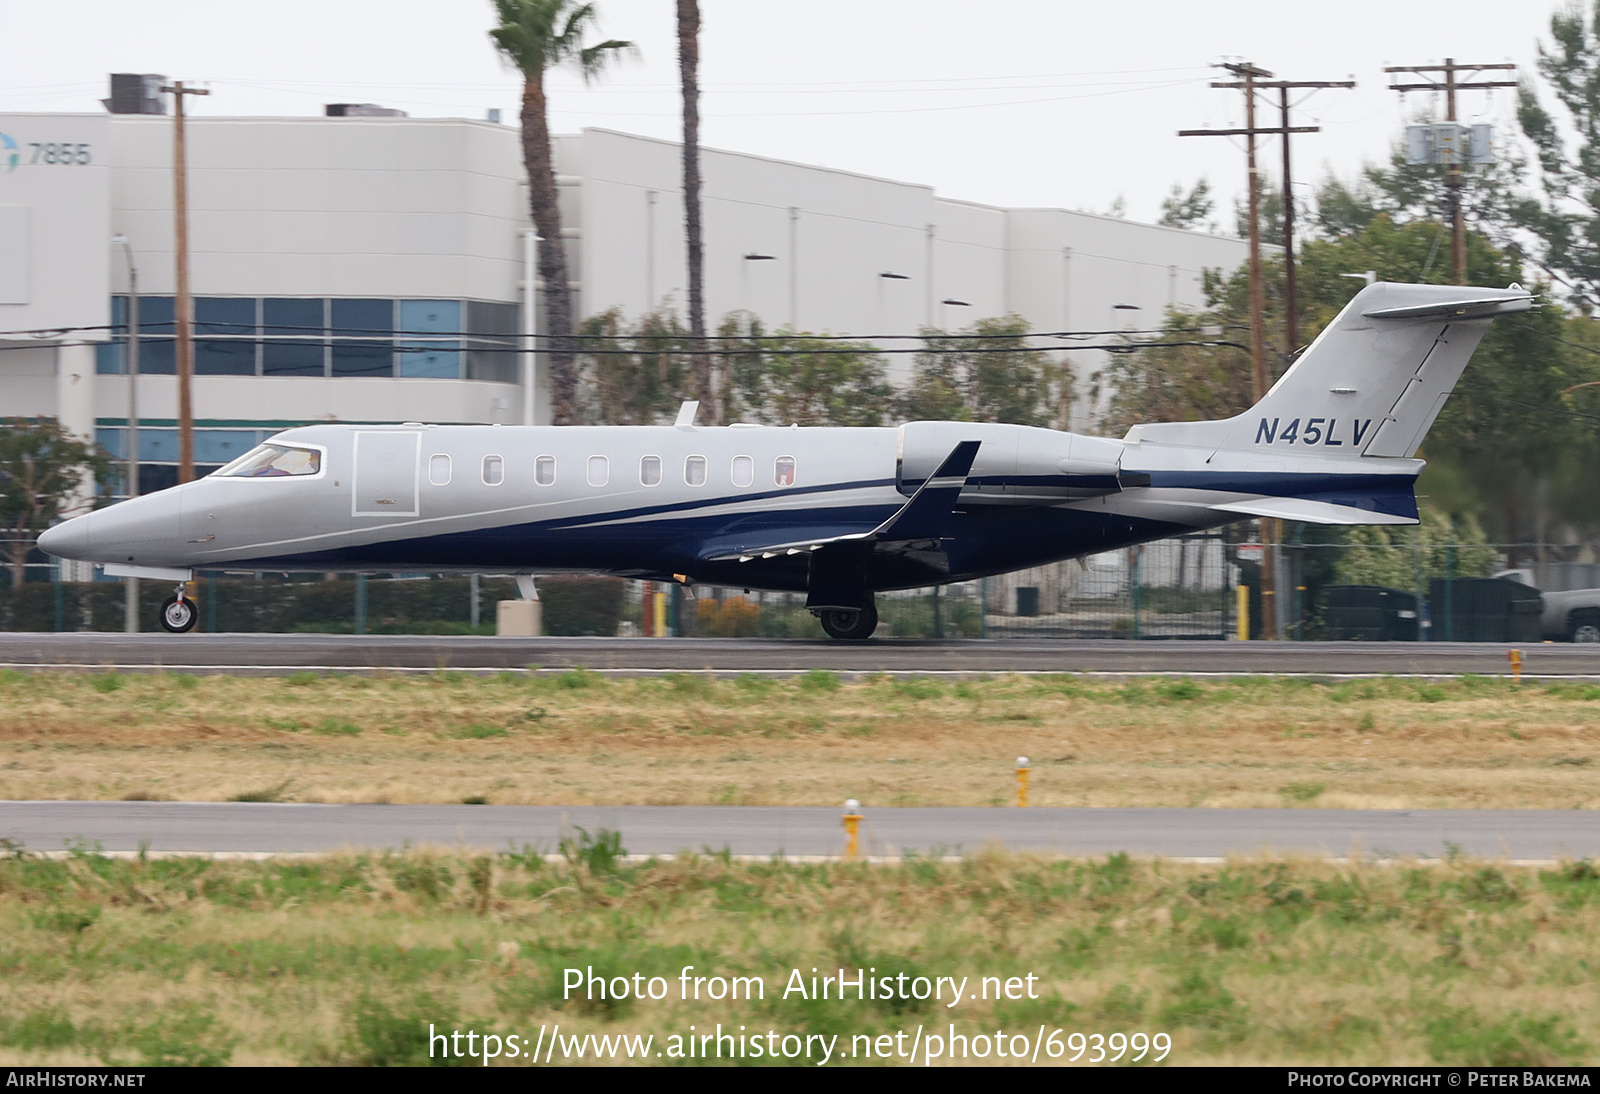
[1313, 512]
[1473, 307]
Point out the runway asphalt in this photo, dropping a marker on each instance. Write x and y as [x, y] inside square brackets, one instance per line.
[205, 827]
[283, 653]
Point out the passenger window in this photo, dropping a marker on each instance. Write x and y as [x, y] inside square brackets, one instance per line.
[650, 471]
[694, 470]
[783, 471]
[744, 471]
[544, 470]
[439, 469]
[599, 470]
[494, 471]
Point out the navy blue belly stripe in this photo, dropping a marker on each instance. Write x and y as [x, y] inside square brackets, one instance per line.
[703, 503]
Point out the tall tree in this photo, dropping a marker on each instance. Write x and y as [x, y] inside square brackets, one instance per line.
[636, 375]
[536, 36]
[792, 378]
[1191, 211]
[688, 70]
[43, 472]
[1567, 218]
[987, 373]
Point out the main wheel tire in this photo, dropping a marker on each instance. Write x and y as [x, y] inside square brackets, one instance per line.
[1584, 627]
[179, 616]
[850, 625]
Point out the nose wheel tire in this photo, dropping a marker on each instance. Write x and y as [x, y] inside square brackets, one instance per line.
[849, 625]
[178, 616]
[1584, 626]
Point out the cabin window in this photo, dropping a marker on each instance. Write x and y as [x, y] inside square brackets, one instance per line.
[650, 471]
[694, 470]
[783, 471]
[599, 470]
[744, 471]
[544, 470]
[439, 469]
[494, 470]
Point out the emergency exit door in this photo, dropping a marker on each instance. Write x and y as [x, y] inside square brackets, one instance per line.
[385, 483]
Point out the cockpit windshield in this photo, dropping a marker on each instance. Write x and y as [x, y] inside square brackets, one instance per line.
[273, 461]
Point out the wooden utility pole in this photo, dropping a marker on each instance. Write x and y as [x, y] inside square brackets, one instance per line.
[1249, 74]
[1291, 298]
[1450, 83]
[183, 307]
[1250, 80]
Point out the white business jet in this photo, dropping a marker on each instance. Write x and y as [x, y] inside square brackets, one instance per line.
[838, 514]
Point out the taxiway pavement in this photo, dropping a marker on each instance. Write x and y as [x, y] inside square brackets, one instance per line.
[285, 653]
[227, 827]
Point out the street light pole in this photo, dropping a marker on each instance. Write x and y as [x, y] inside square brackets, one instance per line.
[130, 621]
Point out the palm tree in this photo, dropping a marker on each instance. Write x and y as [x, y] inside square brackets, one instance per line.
[688, 69]
[536, 36]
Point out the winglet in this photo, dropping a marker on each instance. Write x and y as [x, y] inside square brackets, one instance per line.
[924, 516]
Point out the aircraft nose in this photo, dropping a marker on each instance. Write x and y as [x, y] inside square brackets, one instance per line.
[65, 540]
[143, 530]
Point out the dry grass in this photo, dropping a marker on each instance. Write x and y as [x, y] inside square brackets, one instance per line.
[347, 959]
[578, 738]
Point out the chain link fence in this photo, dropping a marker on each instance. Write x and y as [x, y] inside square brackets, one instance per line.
[1192, 587]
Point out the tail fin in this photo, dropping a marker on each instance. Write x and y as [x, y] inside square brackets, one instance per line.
[1371, 384]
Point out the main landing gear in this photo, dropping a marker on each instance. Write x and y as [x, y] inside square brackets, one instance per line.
[180, 612]
[849, 624]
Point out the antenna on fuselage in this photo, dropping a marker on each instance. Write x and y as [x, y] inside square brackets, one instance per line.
[686, 414]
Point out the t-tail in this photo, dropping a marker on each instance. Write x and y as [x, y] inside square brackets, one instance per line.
[1362, 396]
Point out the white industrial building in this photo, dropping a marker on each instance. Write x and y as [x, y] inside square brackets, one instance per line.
[367, 269]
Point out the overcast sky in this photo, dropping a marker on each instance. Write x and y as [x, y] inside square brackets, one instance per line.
[1009, 102]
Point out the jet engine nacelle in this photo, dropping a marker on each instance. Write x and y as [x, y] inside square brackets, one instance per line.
[1016, 464]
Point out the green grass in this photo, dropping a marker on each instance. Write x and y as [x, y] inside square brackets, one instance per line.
[347, 959]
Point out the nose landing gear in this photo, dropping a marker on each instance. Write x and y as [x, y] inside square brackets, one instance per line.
[180, 613]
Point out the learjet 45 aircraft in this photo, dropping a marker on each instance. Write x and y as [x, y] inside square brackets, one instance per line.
[838, 514]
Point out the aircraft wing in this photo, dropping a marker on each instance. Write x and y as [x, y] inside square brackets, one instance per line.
[923, 517]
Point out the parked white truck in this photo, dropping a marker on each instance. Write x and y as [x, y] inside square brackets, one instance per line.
[1572, 616]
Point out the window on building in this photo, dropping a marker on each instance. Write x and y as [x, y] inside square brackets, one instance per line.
[783, 471]
[492, 349]
[294, 317]
[494, 470]
[428, 333]
[225, 330]
[363, 337]
[222, 445]
[544, 471]
[694, 470]
[296, 330]
[295, 336]
[599, 470]
[744, 470]
[285, 358]
[650, 471]
[157, 347]
[215, 357]
[439, 469]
